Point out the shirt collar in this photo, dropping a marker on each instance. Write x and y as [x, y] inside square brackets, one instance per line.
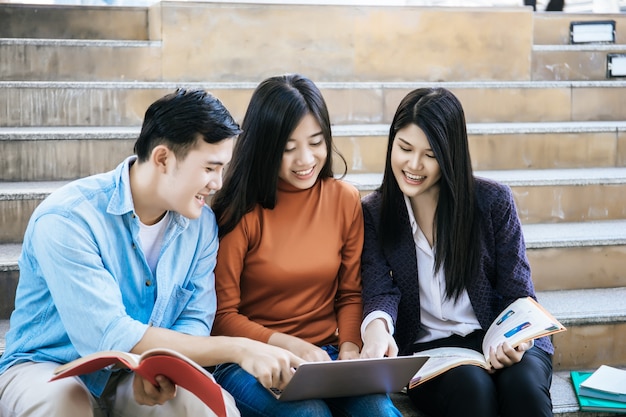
[418, 236]
[409, 210]
[122, 198]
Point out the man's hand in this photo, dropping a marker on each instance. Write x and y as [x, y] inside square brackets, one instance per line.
[272, 366]
[147, 394]
[377, 342]
[504, 355]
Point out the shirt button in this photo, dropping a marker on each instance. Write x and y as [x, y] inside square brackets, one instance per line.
[148, 283]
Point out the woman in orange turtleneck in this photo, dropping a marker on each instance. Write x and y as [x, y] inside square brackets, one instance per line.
[288, 266]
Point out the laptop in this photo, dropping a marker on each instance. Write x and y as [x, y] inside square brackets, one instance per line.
[348, 378]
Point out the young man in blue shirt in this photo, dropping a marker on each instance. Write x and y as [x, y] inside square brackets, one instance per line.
[124, 261]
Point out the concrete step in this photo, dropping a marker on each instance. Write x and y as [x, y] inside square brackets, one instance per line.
[550, 195]
[572, 62]
[353, 46]
[73, 22]
[573, 256]
[542, 196]
[32, 103]
[281, 37]
[554, 28]
[59, 153]
[79, 60]
[9, 275]
[577, 256]
[596, 322]
[18, 200]
[563, 398]
[500, 146]
[63, 153]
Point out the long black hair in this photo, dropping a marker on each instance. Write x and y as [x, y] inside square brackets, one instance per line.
[276, 107]
[439, 114]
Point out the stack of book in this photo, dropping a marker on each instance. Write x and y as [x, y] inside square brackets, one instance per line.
[603, 390]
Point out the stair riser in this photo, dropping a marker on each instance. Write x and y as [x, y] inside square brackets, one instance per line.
[352, 43]
[77, 22]
[14, 217]
[577, 267]
[535, 205]
[506, 151]
[60, 159]
[8, 284]
[24, 62]
[550, 204]
[589, 346]
[44, 160]
[571, 65]
[111, 105]
[563, 203]
[554, 28]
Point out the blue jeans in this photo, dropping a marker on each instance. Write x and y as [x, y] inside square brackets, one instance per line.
[255, 400]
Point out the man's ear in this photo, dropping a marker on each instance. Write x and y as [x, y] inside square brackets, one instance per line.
[160, 157]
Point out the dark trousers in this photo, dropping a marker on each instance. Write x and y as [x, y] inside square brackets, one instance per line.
[521, 390]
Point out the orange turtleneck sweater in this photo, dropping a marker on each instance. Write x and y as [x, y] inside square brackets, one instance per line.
[294, 269]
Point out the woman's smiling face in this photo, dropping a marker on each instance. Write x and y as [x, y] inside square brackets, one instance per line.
[413, 162]
[304, 155]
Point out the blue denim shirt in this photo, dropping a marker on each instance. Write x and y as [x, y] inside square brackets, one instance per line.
[85, 285]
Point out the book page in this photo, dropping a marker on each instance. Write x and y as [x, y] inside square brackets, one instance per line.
[444, 358]
[520, 322]
[96, 361]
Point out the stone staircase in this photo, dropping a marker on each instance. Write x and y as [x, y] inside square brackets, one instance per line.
[542, 118]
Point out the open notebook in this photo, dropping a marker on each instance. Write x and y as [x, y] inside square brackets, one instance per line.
[349, 378]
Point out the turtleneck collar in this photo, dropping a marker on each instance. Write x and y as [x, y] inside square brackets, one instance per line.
[286, 187]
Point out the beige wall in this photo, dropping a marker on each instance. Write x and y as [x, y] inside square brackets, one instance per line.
[248, 42]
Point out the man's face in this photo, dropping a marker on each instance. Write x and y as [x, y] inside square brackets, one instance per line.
[188, 182]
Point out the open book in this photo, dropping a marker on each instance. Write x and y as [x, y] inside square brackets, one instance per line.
[178, 368]
[522, 321]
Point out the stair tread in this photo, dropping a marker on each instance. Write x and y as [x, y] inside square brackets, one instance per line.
[129, 132]
[56, 42]
[478, 84]
[369, 181]
[572, 307]
[586, 306]
[605, 232]
[521, 177]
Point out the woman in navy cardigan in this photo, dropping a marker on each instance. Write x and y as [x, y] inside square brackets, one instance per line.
[443, 255]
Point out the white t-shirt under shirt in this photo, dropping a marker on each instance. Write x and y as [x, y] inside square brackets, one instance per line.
[151, 240]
